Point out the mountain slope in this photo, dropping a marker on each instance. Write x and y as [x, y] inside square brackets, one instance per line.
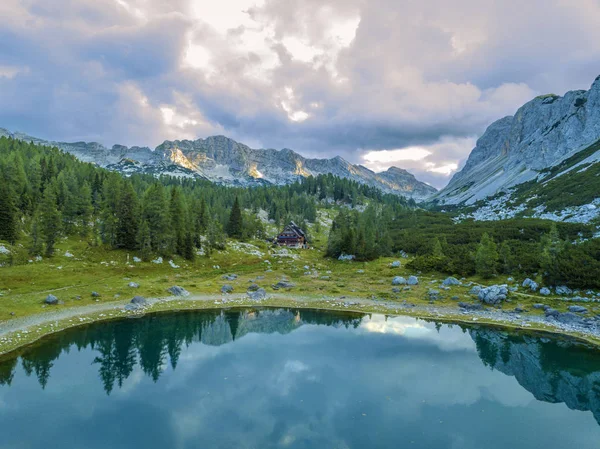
[517, 149]
[223, 160]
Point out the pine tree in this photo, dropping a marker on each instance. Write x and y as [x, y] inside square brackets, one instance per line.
[35, 249]
[50, 220]
[144, 241]
[235, 225]
[188, 247]
[8, 214]
[127, 218]
[177, 217]
[486, 258]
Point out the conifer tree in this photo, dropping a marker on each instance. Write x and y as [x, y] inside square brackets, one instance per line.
[127, 218]
[50, 220]
[8, 213]
[235, 225]
[144, 241]
[486, 258]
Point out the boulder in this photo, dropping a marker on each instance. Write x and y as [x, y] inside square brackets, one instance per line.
[544, 291]
[395, 264]
[494, 294]
[563, 290]
[229, 277]
[539, 306]
[433, 294]
[396, 290]
[413, 280]
[531, 284]
[550, 312]
[95, 295]
[399, 280]
[139, 300]
[136, 259]
[451, 281]
[347, 257]
[134, 285]
[569, 318]
[475, 290]
[178, 291]
[257, 295]
[227, 289]
[283, 284]
[467, 306]
[51, 300]
[253, 287]
[577, 309]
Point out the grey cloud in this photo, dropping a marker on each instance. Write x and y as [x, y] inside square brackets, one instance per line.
[415, 74]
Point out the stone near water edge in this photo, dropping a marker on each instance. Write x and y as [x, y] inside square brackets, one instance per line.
[550, 312]
[577, 309]
[399, 280]
[178, 291]
[227, 288]
[258, 294]
[451, 281]
[413, 280]
[139, 300]
[467, 306]
[51, 300]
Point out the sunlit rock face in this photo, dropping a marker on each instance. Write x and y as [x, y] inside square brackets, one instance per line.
[515, 149]
[223, 160]
[569, 374]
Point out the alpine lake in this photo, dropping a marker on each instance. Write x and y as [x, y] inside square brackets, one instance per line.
[283, 378]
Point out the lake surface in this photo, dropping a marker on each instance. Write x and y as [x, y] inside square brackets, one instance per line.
[284, 378]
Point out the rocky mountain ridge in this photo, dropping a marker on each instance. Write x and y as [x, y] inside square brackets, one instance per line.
[223, 160]
[522, 148]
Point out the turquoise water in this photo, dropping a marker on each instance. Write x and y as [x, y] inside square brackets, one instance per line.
[298, 379]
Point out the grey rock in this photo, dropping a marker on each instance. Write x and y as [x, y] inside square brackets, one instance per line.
[139, 300]
[133, 285]
[51, 300]
[399, 280]
[283, 284]
[544, 291]
[569, 318]
[494, 294]
[396, 290]
[550, 312]
[253, 287]
[226, 288]
[258, 294]
[563, 290]
[467, 306]
[229, 277]
[396, 264]
[95, 295]
[413, 280]
[577, 309]
[451, 281]
[475, 290]
[455, 298]
[531, 284]
[178, 291]
[539, 306]
[433, 294]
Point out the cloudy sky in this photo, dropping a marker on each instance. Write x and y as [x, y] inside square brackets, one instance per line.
[380, 82]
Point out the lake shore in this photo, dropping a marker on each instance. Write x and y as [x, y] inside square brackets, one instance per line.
[20, 332]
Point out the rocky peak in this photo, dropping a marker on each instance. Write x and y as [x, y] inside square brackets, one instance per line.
[513, 150]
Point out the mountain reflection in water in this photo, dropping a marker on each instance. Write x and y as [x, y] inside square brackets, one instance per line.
[553, 371]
